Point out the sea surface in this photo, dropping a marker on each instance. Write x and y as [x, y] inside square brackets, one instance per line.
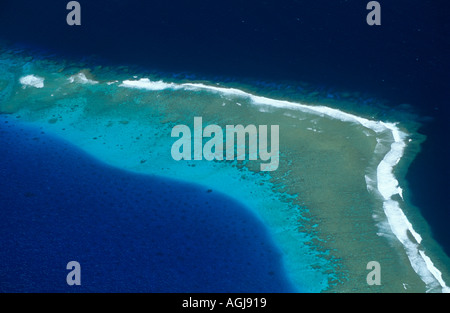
[319, 53]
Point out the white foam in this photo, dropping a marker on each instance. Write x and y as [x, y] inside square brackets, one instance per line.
[434, 271]
[32, 81]
[81, 79]
[145, 83]
[385, 184]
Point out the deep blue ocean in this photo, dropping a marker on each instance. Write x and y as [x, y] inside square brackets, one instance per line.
[129, 232]
[326, 43]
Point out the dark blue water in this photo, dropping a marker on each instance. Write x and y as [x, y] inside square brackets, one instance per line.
[129, 232]
[405, 60]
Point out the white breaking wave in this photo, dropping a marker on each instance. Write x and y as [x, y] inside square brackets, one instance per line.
[145, 83]
[81, 79]
[385, 183]
[32, 81]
